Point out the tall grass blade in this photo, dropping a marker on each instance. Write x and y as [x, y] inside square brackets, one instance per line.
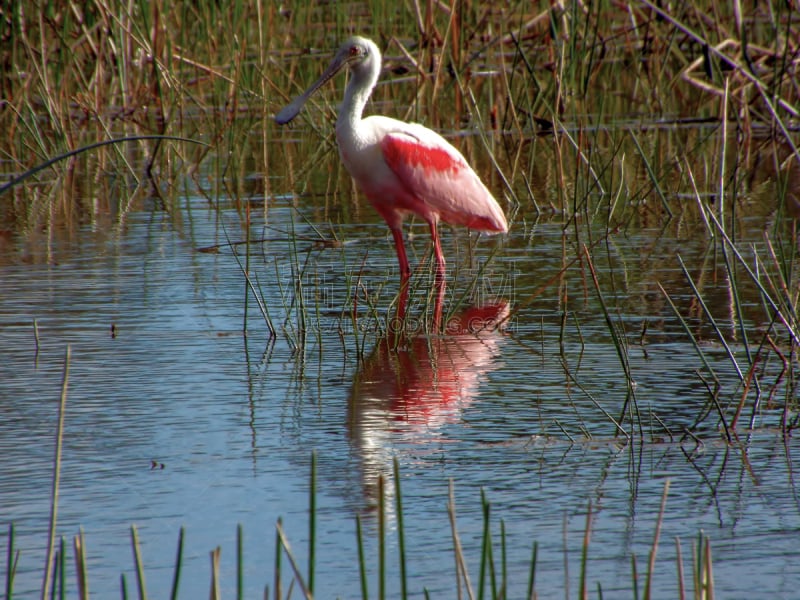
[620, 345]
[239, 562]
[698, 557]
[11, 563]
[362, 565]
[137, 559]
[503, 561]
[651, 174]
[56, 575]
[246, 297]
[277, 570]
[62, 569]
[461, 565]
[51, 539]
[215, 556]
[176, 576]
[381, 538]
[587, 534]
[710, 318]
[487, 559]
[80, 566]
[400, 531]
[312, 521]
[258, 298]
[789, 320]
[36, 339]
[709, 571]
[679, 566]
[292, 562]
[532, 573]
[688, 332]
[651, 566]
[566, 555]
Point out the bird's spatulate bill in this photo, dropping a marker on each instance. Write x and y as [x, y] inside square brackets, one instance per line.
[291, 110]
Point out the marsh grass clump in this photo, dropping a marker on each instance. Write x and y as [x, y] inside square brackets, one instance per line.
[76, 76]
[568, 75]
[290, 579]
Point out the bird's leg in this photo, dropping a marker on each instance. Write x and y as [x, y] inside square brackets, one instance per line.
[438, 307]
[405, 275]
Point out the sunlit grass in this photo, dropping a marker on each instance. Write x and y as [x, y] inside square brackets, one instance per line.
[607, 119]
[124, 69]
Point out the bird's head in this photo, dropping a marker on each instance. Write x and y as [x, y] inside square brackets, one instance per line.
[358, 53]
[363, 58]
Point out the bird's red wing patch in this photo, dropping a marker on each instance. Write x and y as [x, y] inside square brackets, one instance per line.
[439, 183]
[411, 153]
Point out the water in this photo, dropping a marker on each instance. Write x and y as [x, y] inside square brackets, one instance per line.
[175, 419]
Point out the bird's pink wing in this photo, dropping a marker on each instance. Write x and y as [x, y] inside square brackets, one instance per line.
[435, 173]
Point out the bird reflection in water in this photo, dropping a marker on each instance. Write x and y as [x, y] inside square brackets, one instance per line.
[405, 392]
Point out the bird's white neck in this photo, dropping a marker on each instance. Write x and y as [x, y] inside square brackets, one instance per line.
[362, 81]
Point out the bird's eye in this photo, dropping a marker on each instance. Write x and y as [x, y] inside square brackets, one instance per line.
[356, 51]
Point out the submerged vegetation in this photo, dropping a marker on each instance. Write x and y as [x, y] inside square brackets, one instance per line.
[603, 119]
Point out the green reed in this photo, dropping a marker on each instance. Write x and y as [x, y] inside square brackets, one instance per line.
[47, 581]
[170, 55]
[12, 560]
[493, 581]
[137, 561]
[177, 568]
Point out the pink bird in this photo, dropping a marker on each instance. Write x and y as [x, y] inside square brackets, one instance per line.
[402, 167]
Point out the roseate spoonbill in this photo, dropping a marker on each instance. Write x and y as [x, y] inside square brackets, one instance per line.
[401, 167]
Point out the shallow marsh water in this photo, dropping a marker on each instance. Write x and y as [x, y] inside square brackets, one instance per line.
[177, 419]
